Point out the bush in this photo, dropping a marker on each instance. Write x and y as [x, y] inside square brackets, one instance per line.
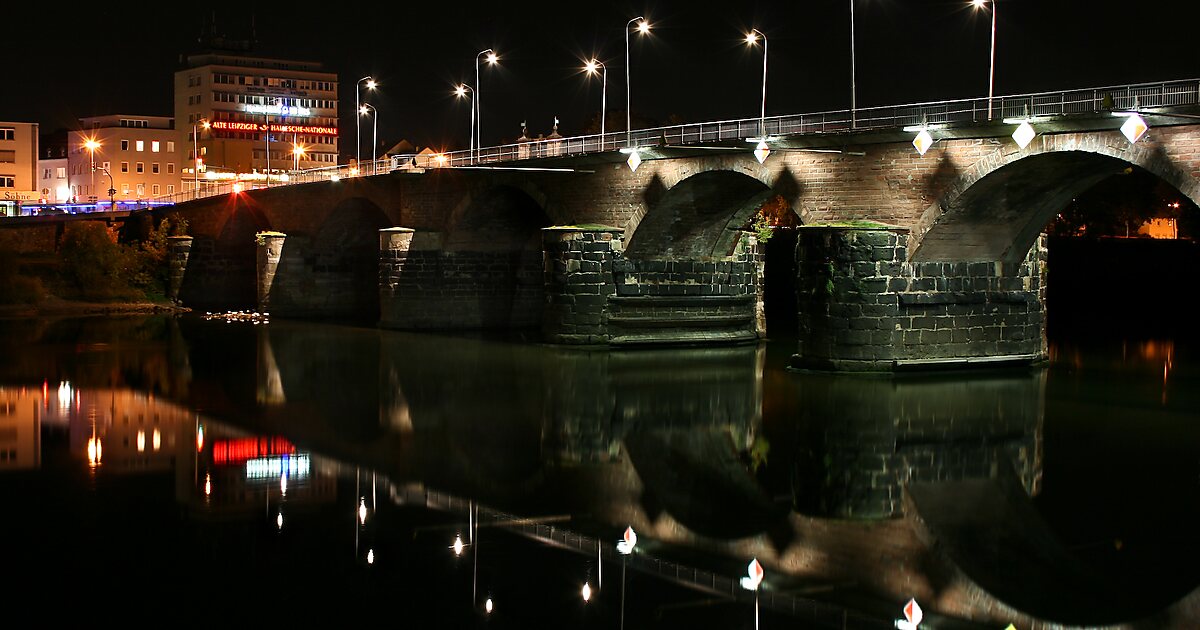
[14, 287]
[94, 266]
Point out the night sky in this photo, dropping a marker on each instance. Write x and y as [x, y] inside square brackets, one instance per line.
[694, 66]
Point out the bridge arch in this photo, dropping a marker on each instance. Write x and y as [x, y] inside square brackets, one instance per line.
[701, 215]
[995, 209]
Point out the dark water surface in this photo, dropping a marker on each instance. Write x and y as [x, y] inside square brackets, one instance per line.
[215, 471]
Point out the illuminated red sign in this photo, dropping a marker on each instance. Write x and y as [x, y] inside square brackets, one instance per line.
[226, 125]
[242, 449]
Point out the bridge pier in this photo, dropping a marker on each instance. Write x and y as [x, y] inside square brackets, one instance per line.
[180, 249]
[863, 306]
[595, 294]
[428, 280]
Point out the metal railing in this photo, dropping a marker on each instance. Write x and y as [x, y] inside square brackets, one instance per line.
[822, 613]
[1143, 96]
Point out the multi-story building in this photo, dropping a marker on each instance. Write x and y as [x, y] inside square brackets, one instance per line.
[52, 166]
[265, 117]
[139, 153]
[18, 166]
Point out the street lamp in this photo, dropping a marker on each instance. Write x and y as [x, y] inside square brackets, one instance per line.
[91, 144]
[362, 111]
[196, 157]
[492, 58]
[979, 4]
[461, 92]
[643, 27]
[853, 71]
[371, 84]
[112, 190]
[751, 39]
[591, 67]
[297, 151]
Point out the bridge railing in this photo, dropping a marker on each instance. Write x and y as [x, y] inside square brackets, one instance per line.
[972, 110]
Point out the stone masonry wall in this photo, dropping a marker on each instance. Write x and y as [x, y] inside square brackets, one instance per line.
[862, 307]
[880, 434]
[424, 286]
[291, 282]
[579, 280]
[596, 295]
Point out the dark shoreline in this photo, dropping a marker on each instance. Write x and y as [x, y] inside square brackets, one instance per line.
[56, 307]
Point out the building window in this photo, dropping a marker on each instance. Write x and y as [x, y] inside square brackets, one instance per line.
[124, 167]
[62, 171]
[154, 189]
[154, 168]
[125, 188]
[141, 190]
[8, 133]
[170, 189]
[8, 181]
[170, 146]
[106, 167]
[154, 146]
[124, 145]
[170, 168]
[141, 145]
[141, 167]
[46, 174]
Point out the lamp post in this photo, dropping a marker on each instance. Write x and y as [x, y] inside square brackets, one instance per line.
[591, 69]
[112, 190]
[853, 73]
[267, 148]
[643, 27]
[196, 157]
[91, 144]
[461, 92]
[979, 4]
[357, 130]
[751, 39]
[297, 151]
[492, 58]
[362, 111]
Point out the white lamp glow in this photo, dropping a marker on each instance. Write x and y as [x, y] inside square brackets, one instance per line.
[1134, 128]
[761, 152]
[634, 160]
[1024, 134]
[923, 141]
[629, 539]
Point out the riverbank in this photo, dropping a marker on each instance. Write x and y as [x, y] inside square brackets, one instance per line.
[54, 306]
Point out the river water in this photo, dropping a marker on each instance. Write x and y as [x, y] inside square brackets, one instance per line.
[219, 470]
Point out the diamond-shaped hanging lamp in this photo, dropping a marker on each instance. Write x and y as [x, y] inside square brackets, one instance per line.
[923, 141]
[762, 151]
[1024, 134]
[1134, 128]
[634, 160]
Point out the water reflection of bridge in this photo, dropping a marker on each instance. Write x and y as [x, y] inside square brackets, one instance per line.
[860, 485]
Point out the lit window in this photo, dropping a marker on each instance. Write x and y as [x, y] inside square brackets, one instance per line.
[170, 146]
[141, 146]
[124, 189]
[154, 146]
[141, 190]
[62, 172]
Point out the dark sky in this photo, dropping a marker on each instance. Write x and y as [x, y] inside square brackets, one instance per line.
[694, 65]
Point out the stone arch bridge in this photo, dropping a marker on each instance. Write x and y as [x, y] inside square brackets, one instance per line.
[902, 259]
